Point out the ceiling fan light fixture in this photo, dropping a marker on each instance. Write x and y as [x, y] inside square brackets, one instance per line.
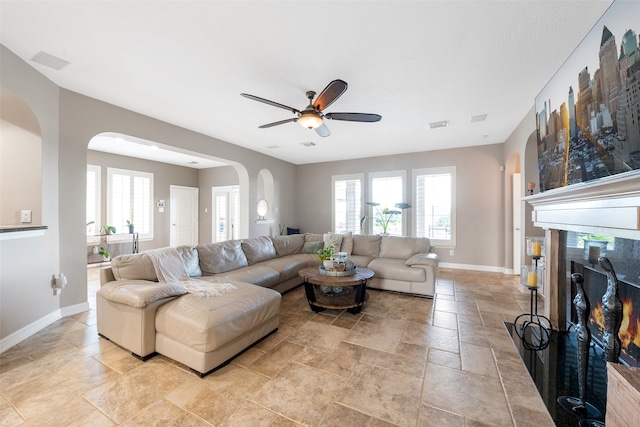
[309, 120]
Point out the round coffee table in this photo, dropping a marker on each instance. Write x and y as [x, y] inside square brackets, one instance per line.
[353, 297]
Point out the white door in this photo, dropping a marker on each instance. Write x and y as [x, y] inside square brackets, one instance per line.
[517, 223]
[184, 215]
[225, 213]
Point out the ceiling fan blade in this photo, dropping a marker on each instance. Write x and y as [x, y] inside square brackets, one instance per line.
[330, 94]
[354, 117]
[266, 101]
[281, 122]
[323, 130]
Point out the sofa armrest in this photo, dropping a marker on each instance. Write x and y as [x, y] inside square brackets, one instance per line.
[429, 259]
[106, 276]
[139, 293]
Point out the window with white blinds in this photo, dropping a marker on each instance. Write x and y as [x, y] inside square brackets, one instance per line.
[387, 189]
[93, 203]
[434, 209]
[347, 203]
[130, 197]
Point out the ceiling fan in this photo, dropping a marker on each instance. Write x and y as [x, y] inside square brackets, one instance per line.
[312, 116]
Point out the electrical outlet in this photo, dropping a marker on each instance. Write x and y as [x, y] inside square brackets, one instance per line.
[25, 216]
[451, 252]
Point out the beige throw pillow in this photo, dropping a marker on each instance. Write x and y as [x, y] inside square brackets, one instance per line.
[332, 239]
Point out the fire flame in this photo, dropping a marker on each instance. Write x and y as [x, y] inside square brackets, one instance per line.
[629, 327]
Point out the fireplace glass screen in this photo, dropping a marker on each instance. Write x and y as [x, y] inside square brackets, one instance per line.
[625, 258]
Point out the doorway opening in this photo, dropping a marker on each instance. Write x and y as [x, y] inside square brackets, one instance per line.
[226, 209]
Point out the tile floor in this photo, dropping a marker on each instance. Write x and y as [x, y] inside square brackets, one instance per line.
[404, 361]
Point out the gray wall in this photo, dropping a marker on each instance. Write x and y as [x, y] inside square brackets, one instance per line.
[27, 265]
[164, 175]
[479, 185]
[68, 121]
[523, 142]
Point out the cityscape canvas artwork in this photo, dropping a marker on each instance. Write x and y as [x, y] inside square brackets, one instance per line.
[588, 114]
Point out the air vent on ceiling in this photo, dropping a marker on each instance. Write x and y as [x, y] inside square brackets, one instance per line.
[478, 118]
[308, 144]
[272, 147]
[193, 162]
[50, 61]
[436, 125]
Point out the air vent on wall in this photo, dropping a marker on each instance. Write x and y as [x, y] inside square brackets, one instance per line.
[50, 61]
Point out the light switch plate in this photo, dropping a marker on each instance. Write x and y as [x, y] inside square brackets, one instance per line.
[25, 216]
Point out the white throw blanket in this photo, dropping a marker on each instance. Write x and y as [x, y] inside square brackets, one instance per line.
[170, 268]
[209, 289]
[168, 265]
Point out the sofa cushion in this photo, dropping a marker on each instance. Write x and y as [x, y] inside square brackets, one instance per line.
[189, 256]
[396, 269]
[255, 274]
[288, 267]
[139, 293]
[221, 257]
[429, 259]
[403, 247]
[133, 266]
[361, 260]
[312, 237]
[288, 245]
[347, 243]
[258, 249]
[366, 245]
[312, 247]
[207, 324]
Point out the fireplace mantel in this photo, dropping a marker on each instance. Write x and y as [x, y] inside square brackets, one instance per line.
[608, 206]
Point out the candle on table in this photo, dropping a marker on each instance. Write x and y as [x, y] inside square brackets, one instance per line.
[532, 279]
[536, 248]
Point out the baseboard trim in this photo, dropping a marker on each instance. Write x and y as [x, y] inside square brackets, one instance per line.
[487, 268]
[35, 327]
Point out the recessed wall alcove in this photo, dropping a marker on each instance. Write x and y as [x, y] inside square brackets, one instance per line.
[20, 161]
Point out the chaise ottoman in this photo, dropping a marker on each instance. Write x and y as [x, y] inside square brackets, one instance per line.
[205, 332]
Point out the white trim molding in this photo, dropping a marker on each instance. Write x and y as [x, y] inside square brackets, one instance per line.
[35, 327]
[608, 206]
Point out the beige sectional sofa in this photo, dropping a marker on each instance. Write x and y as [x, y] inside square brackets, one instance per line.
[155, 302]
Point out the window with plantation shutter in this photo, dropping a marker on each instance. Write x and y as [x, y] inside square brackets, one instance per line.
[130, 198]
[434, 208]
[93, 204]
[387, 189]
[347, 203]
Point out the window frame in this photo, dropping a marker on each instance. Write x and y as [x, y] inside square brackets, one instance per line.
[442, 170]
[402, 174]
[348, 177]
[133, 174]
[93, 238]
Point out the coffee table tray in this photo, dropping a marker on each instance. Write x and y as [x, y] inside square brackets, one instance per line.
[337, 273]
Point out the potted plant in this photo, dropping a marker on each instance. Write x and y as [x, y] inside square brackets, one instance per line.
[105, 253]
[108, 229]
[130, 225]
[385, 217]
[325, 256]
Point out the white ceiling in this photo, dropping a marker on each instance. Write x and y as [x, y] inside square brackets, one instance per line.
[413, 62]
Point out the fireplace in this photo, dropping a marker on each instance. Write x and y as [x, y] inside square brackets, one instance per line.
[623, 254]
[604, 209]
